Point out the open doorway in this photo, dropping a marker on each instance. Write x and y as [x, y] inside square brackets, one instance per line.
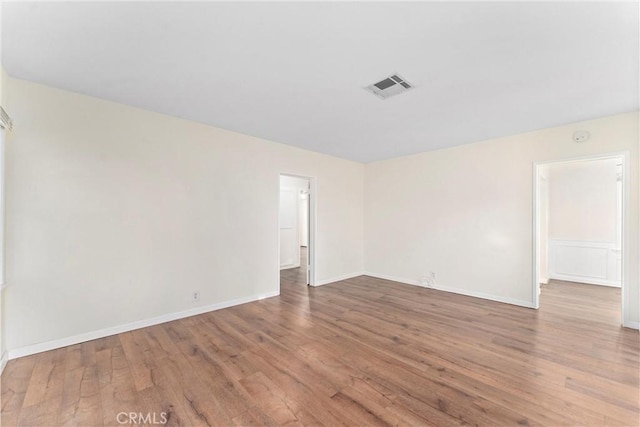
[580, 249]
[296, 237]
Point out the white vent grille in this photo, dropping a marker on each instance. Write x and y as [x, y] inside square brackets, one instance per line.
[391, 86]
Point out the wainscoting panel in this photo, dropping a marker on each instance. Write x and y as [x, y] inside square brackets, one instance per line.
[587, 262]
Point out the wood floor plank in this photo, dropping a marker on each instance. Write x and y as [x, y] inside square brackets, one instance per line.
[139, 364]
[316, 402]
[254, 417]
[274, 403]
[41, 405]
[81, 403]
[14, 384]
[117, 387]
[190, 398]
[230, 398]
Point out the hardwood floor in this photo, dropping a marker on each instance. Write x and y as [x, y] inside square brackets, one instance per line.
[360, 352]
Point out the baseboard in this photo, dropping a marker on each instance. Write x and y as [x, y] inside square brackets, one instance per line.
[289, 266]
[497, 298]
[338, 278]
[475, 294]
[587, 280]
[88, 336]
[631, 324]
[393, 278]
[3, 361]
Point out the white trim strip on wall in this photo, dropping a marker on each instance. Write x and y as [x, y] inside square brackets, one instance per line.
[596, 263]
[339, 278]
[88, 336]
[631, 324]
[3, 361]
[490, 297]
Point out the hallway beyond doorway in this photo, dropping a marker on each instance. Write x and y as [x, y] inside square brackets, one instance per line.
[298, 275]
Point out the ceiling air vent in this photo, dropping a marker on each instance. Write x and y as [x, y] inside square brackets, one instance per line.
[391, 86]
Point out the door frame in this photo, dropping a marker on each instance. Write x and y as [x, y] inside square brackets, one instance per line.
[624, 288]
[312, 215]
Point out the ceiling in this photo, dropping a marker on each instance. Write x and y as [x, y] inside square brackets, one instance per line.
[294, 72]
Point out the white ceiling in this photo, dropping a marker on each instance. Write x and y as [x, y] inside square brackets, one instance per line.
[294, 72]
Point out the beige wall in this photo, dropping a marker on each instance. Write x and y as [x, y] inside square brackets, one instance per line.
[116, 214]
[466, 213]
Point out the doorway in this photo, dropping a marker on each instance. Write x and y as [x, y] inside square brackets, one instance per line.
[296, 233]
[579, 222]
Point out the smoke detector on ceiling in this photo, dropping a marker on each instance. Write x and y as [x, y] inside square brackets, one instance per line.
[581, 136]
[391, 86]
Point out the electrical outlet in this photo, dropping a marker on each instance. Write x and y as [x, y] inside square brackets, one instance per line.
[195, 296]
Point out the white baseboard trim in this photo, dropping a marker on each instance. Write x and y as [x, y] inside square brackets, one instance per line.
[88, 336]
[631, 324]
[393, 278]
[3, 361]
[338, 278]
[497, 298]
[475, 294]
[289, 266]
[587, 280]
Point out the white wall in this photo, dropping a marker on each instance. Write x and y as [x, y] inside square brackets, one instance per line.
[543, 218]
[289, 248]
[582, 201]
[290, 220]
[466, 213]
[115, 215]
[303, 215]
[6, 135]
[584, 241]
